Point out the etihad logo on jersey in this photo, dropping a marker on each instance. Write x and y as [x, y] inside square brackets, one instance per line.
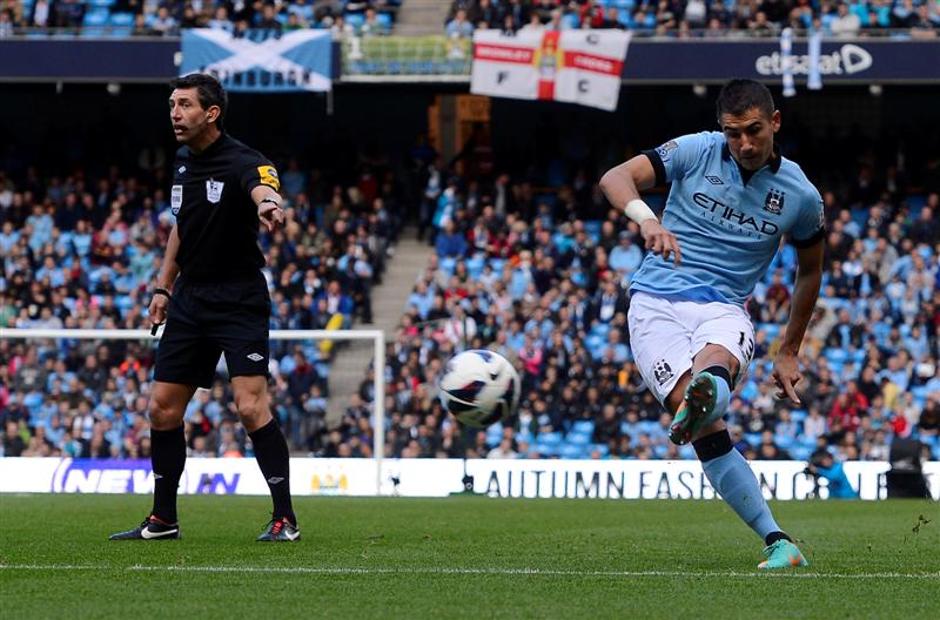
[731, 215]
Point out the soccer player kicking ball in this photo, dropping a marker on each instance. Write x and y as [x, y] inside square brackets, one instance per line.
[733, 197]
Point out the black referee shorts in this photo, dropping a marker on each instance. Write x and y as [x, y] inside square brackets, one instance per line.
[206, 320]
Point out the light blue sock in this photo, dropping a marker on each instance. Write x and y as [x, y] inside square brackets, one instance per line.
[730, 475]
[723, 398]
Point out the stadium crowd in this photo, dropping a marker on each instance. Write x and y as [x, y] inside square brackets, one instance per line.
[523, 274]
[535, 271]
[80, 252]
[162, 18]
[708, 18]
[377, 17]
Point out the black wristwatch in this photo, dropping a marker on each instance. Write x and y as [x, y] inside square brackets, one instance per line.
[161, 291]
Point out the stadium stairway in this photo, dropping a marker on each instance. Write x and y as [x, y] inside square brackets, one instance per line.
[388, 304]
[421, 17]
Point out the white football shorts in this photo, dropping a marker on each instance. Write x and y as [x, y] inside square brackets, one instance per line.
[666, 334]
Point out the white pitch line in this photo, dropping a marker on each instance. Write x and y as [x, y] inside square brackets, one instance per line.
[341, 570]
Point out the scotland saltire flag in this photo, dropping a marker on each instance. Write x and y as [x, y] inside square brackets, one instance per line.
[260, 61]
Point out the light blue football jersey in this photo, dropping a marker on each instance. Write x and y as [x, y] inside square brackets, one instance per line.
[728, 230]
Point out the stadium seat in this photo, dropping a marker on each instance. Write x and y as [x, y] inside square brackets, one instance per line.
[601, 448]
[585, 427]
[578, 439]
[96, 17]
[569, 451]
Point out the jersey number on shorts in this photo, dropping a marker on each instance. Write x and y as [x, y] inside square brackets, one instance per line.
[747, 346]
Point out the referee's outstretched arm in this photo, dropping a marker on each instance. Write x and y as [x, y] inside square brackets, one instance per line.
[269, 206]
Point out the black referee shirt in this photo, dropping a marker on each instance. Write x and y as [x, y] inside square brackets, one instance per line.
[216, 219]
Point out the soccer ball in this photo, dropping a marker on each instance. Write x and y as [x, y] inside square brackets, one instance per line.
[479, 387]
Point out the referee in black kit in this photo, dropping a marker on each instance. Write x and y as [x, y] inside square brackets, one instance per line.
[222, 190]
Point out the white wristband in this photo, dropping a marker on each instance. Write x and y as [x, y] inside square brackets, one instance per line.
[639, 211]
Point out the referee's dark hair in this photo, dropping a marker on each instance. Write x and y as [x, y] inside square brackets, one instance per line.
[209, 91]
[740, 95]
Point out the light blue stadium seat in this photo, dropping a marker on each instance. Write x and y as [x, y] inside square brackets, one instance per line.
[798, 415]
[122, 19]
[585, 427]
[570, 21]
[752, 438]
[354, 19]
[836, 355]
[551, 439]
[601, 448]
[101, 3]
[569, 451]
[96, 17]
[800, 453]
[578, 439]
[546, 449]
[497, 264]
[474, 267]
[771, 329]
[384, 19]
[447, 264]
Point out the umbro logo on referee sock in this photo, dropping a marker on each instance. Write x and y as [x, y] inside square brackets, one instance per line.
[255, 357]
[275, 479]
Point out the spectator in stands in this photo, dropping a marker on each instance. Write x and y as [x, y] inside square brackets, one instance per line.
[164, 23]
[459, 27]
[845, 24]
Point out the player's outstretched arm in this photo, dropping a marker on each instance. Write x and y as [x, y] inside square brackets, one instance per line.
[622, 185]
[805, 292]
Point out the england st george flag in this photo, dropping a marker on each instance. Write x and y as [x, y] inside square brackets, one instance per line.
[576, 66]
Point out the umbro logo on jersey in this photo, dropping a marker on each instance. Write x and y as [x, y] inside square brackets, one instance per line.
[255, 357]
[714, 180]
[181, 169]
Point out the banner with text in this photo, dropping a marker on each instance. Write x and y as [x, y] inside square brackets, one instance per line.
[261, 61]
[575, 66]
[782, 480]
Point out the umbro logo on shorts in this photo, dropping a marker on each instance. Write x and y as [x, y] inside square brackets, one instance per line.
[255, 357]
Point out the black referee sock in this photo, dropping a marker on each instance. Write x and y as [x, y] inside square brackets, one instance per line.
[168, 458]
[274, 460]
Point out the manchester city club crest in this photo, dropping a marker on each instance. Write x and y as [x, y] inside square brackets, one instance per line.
[773, 203]
[662, 371]
[214, 190]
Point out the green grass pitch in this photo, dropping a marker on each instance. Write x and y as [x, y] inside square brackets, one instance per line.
[465, 557]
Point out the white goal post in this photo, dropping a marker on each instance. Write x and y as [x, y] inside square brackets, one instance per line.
[377, 337]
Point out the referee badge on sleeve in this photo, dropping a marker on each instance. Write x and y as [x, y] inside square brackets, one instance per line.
[214, 190]
[176, 199]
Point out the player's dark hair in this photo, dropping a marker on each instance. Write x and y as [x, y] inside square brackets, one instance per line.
[208, 90]
[740, 95]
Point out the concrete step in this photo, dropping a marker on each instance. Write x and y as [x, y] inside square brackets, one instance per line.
[352, 359]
